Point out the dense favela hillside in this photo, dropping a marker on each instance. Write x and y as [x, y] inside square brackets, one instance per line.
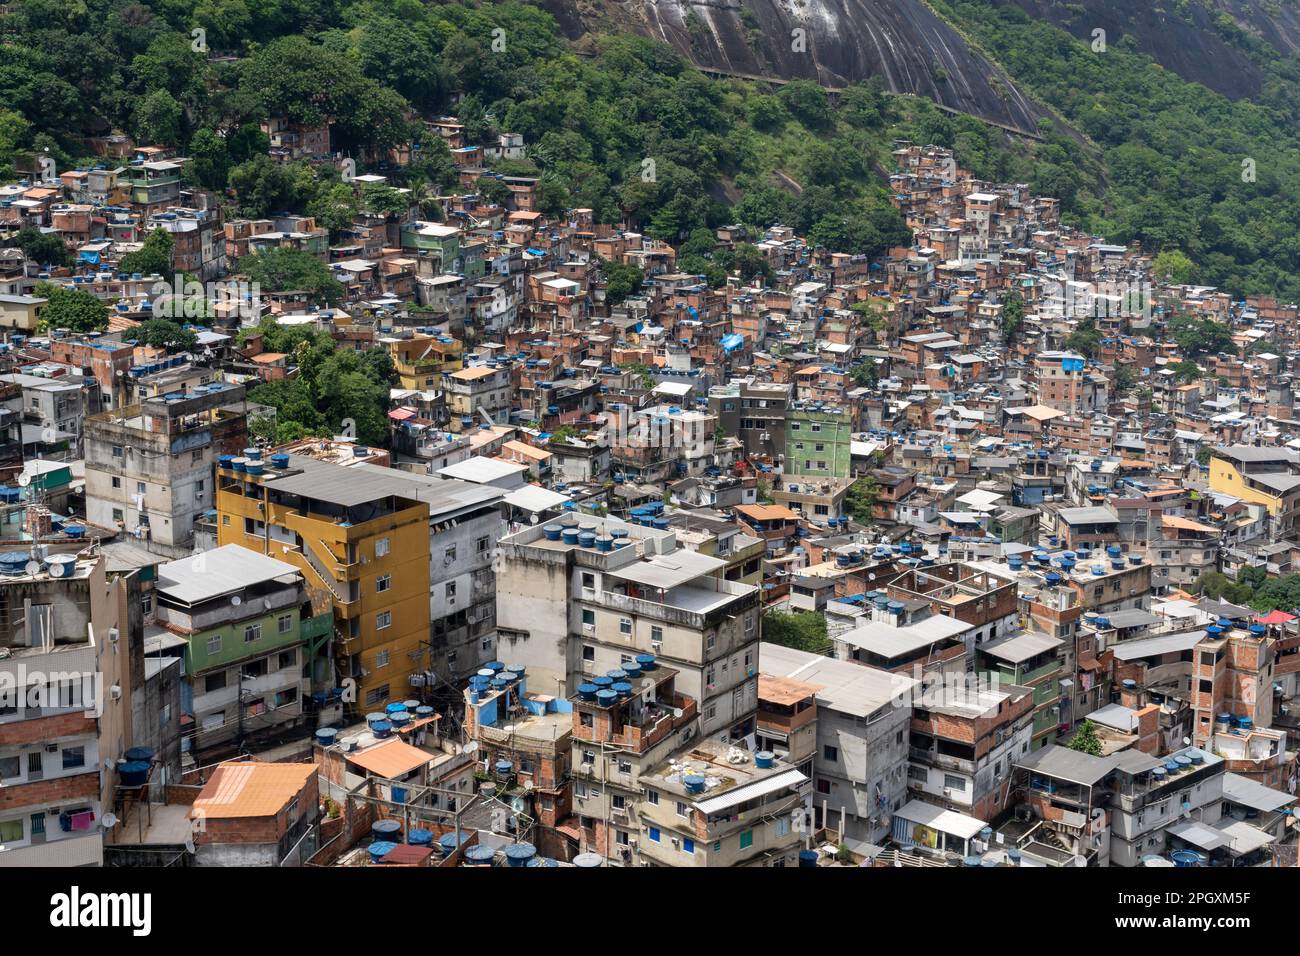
[1134, 152]
[769, 434]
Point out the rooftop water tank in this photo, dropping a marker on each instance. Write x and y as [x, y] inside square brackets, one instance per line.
[518, 854]
[134, 773]
[380, 849]
[763, 759]
[479, 855]
[386, 830]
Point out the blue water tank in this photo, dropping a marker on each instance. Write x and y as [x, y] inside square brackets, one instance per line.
[807, 859]
[763, 759]
[380, 849]
[134, 773]
[518, 854]
[479, 855]
[647, 662]
[694, 783]
[389, 830]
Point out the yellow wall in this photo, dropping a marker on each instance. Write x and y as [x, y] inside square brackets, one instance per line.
[407, 563]
[1226, 479]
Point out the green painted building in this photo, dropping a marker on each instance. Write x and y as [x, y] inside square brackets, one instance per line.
[818, 440]
[251, 638]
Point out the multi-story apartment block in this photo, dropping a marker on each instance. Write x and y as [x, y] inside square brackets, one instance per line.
[149, 466]
[65, 707]
[577, 600]
[249, 627]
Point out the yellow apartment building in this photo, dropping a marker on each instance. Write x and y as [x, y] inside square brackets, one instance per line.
[1261, 476]
[363, 545]
[420, 359]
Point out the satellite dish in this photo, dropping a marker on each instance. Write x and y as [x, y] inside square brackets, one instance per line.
[57, 568]
[24, 480]
[33, 567]
[189, 846]
[1187, 741]
[470, 747]
[236, 600]
[677, 712]
[108, 821]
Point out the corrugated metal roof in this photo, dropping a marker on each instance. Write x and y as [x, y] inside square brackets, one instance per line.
[748, 791]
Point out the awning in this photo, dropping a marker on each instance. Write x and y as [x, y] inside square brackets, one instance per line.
[1198, 834]
[749, 791]
[1275, 617]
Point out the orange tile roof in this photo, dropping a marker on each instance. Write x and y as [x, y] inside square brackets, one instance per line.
[248, 789]
[472, 373]
[767, 513]
[392, 759]
[1182, 524]
[783, 690]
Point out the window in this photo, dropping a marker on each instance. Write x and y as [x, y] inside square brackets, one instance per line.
[588, 581]
[823, 786]
[74, 757]
[618, 801]
[625, 626]
[450, 591]
[117, 451]
[588, 652]
[831, 753]
[381, 659]
[588, 617]
[656, 633]
[117, 482]
[214, 682]
[381, 547]
[10, 767]
[140, 487]
[383, 583]
[376, 696]
[118, 516]
[252, 632]
[449, 554]
[951, 782]
[214, 645]
[652, 797]
[287, 659]
[146, 602]
[746, 839]
[682, 809]
[483, 544]
[654, 834]
[383, 619]
[11, 831]
[688, 845]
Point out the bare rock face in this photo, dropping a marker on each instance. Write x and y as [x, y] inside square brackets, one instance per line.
[1185, 39]
[835, 42]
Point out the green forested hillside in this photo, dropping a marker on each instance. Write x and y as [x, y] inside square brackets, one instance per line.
[1159, 159]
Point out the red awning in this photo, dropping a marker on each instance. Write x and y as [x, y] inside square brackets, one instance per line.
[1275, 617]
